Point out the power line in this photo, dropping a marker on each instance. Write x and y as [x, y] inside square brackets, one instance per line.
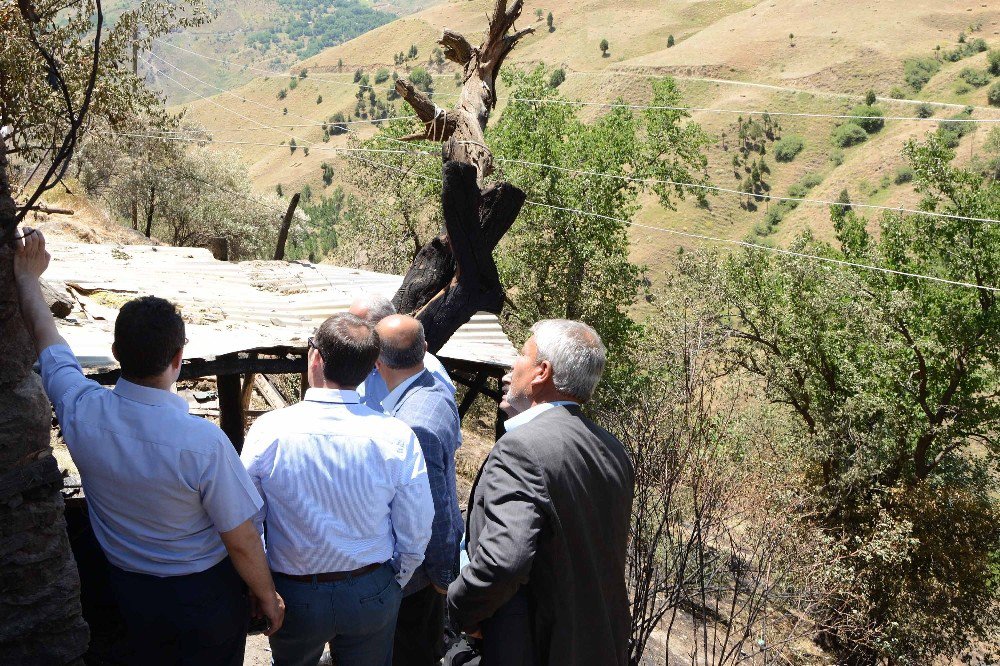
[690, 109]
[749, 112]
[714, 239]
[311, 146]
[769, 197]
[755, 246]
[277, 74]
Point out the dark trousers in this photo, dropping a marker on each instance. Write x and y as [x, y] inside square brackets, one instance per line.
[419, 639]
[193, 620]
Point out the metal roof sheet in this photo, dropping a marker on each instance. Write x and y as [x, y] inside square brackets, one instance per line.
[229, 307]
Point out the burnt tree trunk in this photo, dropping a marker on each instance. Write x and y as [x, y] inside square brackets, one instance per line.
[454, 275]
[40, 615]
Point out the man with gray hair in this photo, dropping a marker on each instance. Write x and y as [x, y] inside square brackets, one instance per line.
[419, 401]
[373, 308]
[548, 517]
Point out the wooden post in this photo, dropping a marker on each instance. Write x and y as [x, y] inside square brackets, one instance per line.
[231, 409]
[286, 223]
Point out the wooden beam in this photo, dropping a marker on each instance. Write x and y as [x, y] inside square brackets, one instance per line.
[231, 409]
[272, 396]
[233, 364]
[286, 224]
[472, 394]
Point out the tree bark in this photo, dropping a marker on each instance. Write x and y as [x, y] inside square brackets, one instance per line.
[40, 614]
[454, 275]
[286, 224]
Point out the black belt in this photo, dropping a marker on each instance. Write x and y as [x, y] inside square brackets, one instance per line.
[330, 576]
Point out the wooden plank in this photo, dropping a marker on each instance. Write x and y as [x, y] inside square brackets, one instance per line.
[272, 396]
[472, 394]
[231, 409]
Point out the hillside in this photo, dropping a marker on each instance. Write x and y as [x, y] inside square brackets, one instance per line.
[788, 56]
[263, 35]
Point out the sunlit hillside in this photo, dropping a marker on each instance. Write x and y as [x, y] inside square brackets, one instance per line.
[781, 56]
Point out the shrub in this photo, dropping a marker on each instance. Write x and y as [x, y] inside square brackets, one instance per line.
[952, 132]
[319, 99]
[412, 53]
[993, 58]
[338, 124]
[604, 48]
[303, 73]
[421, 79]
[918, 71]
[884, 182]
[870, 98]
[549, 22]
[292, 145]
[925, 111]
[798, 190]
[849, 134]
[904, 174]
[357, 75]
[381, 76]
[293, 84]
[993, 96]
[282, 94]
[787, 148]
[278, 191]
[305, 151]
[837, 157]
[868, 118]
[976, 78]
[962, 88]
[557, 78]
[670, 41]
[811, 179]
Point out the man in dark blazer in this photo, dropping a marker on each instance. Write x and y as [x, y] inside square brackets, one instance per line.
[548, 518]
[422, 402]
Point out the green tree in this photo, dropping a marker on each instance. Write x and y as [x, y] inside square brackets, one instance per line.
[670, 41]
[559, 263]
[993, 58]
[893, 382]
[421, 79]
[539, 13]
[413, 51]
[993, 96]
[292, 145]
[319, 99]
[557, 78]
[550, 21]
[604, 48]
[870, 98]
[869, 118]
[381, 76]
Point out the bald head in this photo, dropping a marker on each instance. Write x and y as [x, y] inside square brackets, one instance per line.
[373, 308]
[402, 343]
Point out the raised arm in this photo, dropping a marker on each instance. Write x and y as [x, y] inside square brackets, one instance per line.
[30, 261]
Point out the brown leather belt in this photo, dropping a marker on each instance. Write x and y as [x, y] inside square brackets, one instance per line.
[329, 577]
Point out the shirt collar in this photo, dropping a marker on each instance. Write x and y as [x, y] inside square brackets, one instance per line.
[391, 401]
[149, 396]
[336, 396]
[527, 415]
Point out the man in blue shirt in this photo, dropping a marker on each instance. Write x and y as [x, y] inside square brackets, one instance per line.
[373, 308]
[347, 505]
[422, 403]
[168, 499]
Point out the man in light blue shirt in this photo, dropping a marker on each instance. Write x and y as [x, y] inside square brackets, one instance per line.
[420, 401]
[168, 500]
[373, 308]
[347, 506]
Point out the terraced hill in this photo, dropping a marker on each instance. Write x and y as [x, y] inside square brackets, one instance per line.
[784, 56]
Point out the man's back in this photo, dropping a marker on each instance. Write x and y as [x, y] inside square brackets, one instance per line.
[429, 409]
[338, 481]
[161, 484]
[581, 480]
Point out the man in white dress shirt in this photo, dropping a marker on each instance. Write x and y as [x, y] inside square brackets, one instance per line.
[373, 308]
[347, 506]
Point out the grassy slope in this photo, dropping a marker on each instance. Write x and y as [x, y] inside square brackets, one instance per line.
[846, 46]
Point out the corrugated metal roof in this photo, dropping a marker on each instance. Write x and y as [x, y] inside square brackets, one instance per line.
[229, 307]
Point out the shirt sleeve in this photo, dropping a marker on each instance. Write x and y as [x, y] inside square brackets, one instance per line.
[64, 382]
[255, 448]
[442, 550]
[227, 493]
[513, 496]
[411, 511]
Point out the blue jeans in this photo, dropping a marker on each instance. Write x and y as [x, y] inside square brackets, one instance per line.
[357, 616]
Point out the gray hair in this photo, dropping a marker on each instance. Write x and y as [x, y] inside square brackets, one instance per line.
[576, 353]
[378, 307]
[398, 358]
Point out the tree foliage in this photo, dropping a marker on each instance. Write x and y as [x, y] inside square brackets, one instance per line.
[894, 383]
